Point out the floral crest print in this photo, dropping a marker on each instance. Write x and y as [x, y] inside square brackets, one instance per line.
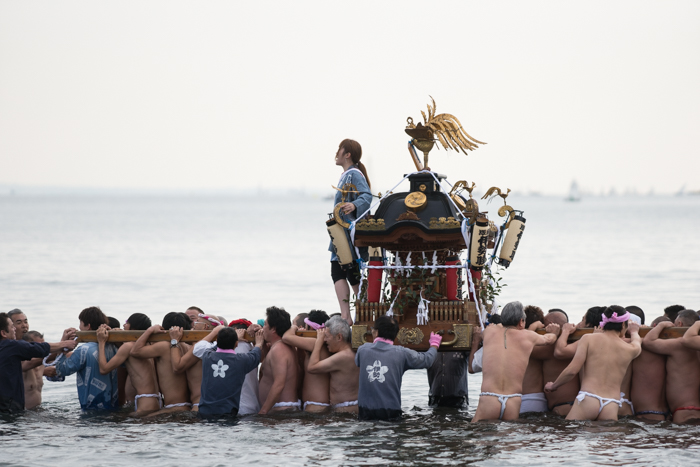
[220, 369]
[376, 372]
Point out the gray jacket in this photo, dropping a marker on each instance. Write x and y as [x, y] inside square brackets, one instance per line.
[382, 367]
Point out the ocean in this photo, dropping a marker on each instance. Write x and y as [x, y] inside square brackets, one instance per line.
[236, 255]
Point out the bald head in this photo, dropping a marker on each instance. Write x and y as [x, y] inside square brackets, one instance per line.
[556, 317]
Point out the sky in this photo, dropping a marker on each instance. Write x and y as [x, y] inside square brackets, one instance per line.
[246, 96]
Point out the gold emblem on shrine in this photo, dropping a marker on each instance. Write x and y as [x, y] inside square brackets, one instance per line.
[416, 201]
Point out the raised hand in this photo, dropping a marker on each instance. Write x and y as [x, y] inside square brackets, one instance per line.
[176, 333]
[102, 333]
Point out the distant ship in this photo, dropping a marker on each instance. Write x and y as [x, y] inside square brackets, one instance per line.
[574, 194]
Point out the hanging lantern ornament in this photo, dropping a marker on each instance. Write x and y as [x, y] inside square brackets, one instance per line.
[479, 244]
[510, 244]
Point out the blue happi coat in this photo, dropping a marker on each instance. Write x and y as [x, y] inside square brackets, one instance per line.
[95, 390]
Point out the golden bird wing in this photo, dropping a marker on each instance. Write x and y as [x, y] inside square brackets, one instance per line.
[459, 125]
[491, 191]
[439, 130]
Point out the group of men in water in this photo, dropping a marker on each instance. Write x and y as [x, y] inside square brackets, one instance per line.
[609, 373]
[217, 376]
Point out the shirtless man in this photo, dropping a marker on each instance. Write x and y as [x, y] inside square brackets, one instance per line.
[142, 373]
[316, 387]
[34, 377]
[627, 408]
[205, 322]
[565, 350]
[682, 368]
[12, 353]
[648, 392]
[278, 374]
[176, 397]
[605, 357]
[193, 313]
[298, 320]
[533, 398]
[560, 401]
[672, 312]
[183, 360]
[340, 365]
[505, 359]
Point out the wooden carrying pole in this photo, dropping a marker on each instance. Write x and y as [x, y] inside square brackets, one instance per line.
[196, 336]
[668, 333]
[117, 336]
[132, 336]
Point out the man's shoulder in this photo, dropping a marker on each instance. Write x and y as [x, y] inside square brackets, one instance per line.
[161, 346]
[281, 350]
[19, 348]
[346, 353]
[368, 347]
[11, 343]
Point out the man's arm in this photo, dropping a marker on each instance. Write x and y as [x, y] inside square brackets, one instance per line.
[552, 331]
[206, 344]
[59, 346]
[573, 368]
[181, 363]
[316, 365]
[652, 342]
[68, 335]
[562, 349]
[279, 377]
[141, 350]
[254, 355]
[31, 364]
[305, 343]
[415, 360]
[476, 341]
[122, 354]
[73, 363]
[691, 339]
[636, 340]
[33, 353]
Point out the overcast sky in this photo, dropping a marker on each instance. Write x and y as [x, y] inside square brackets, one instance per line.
[233, 95]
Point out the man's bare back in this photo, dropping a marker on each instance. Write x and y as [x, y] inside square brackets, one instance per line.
[560, 401]
[506, 354]
[176, 397]
[315, 386]
[604, 358]
[648, 393]
[142, 375]
[682, 373]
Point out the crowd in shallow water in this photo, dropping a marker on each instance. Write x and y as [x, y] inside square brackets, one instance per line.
[609, 373]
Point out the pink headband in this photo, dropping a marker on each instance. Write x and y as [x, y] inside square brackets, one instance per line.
[211, 320]
[615, 319]
[313, 325]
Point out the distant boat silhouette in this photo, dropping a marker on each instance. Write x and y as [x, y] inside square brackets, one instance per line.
[574, 194]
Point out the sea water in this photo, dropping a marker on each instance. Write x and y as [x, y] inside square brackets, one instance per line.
[236, 255]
